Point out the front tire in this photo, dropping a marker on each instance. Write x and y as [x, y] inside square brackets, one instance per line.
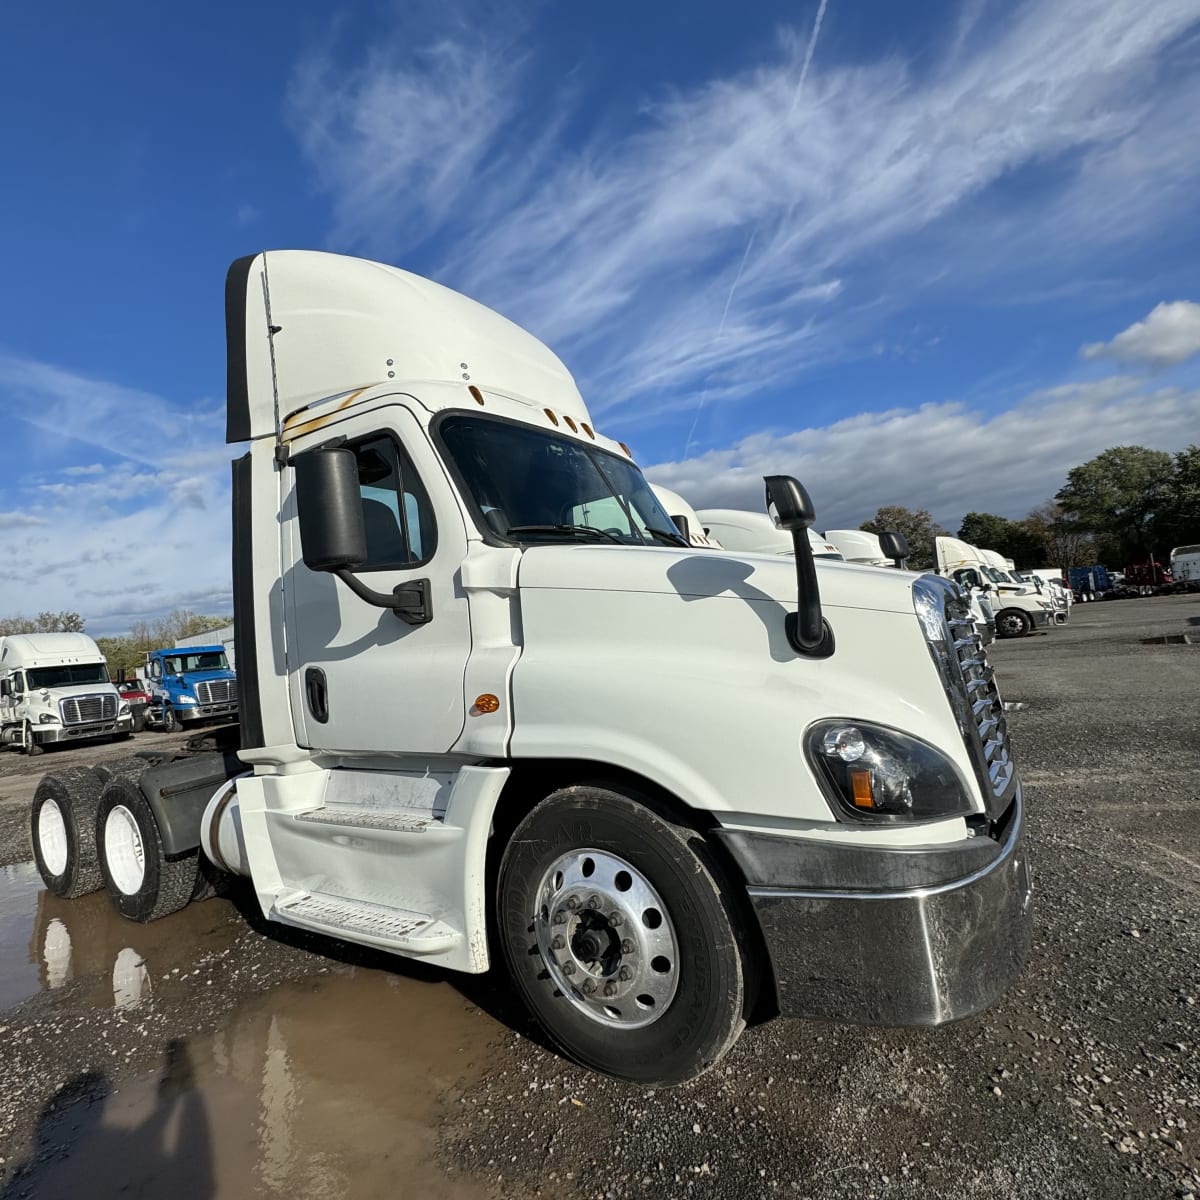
[621, 934]
[63, 829]
[29, 742]
[170, 720]
[1013, 623]
[141, 882]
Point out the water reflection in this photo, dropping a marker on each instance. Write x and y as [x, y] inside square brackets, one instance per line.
[318, 1091]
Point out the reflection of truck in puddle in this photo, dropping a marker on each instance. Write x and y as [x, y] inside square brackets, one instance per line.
[469, 637]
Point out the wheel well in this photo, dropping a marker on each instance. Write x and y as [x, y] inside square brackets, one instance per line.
[532, 780]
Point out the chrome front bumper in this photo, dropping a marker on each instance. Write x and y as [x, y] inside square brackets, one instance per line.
[75, 733]
[903, 945]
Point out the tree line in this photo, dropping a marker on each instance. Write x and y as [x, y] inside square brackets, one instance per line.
[127, 652]
[1126, 505]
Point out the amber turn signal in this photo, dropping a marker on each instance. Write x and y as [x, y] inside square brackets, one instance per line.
[487, 703]
[860, 783]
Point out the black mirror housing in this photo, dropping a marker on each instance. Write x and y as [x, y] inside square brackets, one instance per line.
[894, 546]
[793, 507]
[682, 524]
[333, 535]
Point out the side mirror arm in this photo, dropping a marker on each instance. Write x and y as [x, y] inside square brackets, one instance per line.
[807, 631]
[411, 602]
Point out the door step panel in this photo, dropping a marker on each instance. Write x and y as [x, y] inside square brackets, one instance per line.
[358, 921]
[350, 817]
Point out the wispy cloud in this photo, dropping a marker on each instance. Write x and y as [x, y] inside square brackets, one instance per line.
[623, 252]
[944, 457]
[1168, 336]
[150, 526]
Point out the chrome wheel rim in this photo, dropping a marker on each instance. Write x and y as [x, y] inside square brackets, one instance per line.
[607, 939]
[52, 837]
[123, 850]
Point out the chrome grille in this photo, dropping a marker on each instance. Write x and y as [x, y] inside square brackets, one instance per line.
[216, 691]
[970, 684]
[84, 710]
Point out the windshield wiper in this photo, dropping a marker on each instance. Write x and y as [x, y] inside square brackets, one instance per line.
[671, 539]
[570, 530]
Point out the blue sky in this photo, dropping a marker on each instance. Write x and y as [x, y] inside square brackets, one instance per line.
[931, 255]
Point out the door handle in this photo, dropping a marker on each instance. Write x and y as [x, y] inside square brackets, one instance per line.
[317, 694]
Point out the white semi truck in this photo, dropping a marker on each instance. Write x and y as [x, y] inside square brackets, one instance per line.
[1185, 564]
[1020, 610]
[491, 700]
[756, 533]
[54, 687]
[1009, 583]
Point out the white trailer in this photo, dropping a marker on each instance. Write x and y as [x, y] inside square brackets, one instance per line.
[1185, 564]
[490, 697]
[54, 687]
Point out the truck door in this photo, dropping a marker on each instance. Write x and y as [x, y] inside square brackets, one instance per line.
[360, 678]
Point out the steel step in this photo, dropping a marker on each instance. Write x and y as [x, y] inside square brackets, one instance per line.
[348, 815]
[361, 921]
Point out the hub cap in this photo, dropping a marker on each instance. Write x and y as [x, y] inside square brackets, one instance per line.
[123, 852]
[52, 837]
[607, 939]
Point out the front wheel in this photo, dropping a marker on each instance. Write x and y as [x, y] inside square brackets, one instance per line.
[170, 720]
[1013, 623]
[621, 935]
[142, 883]
[29, 742]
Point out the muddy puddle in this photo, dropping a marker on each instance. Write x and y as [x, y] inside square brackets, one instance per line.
[47, 943]
[334, 1087]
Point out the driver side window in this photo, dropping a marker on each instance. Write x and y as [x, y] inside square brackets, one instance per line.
[397, 513]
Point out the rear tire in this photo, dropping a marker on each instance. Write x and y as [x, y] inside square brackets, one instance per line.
[1013, 623]
[141, 882]
[63, 830]
[621, 934]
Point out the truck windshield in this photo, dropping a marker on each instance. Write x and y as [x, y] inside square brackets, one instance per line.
[177, 664]
[996, 576]
[65, 676]
[531, 485]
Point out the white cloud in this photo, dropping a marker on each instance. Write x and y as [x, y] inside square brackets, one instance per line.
[943, 457]
[125, 542]
[246, 214]
[624, 253]
[1168, 336]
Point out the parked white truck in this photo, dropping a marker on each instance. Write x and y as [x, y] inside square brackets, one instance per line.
[756, 533]
[677, 789]
[1019, 608]
[1185, 564]
[54, 687]
[1009, 582]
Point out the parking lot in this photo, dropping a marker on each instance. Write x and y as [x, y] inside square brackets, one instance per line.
[209, 1055]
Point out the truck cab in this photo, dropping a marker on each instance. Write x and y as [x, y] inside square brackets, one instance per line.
[492, 699]
[190, 684]
[54, 687]
[748, 532]
[1020, 610]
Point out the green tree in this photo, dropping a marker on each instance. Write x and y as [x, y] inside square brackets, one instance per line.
[124, 656]
[985, 530]
[1066, 544]
[1179, 523]
[1120, 497]
[918, 528]
[1024, 541]
[44, 622]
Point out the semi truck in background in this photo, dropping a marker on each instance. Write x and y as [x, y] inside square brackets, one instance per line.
[1009, 581]
[684, 518]
[1185, 564]
[1020, 610]
[54, 687]
[189, 684]
[748, 532]
[1089, 583]
[467, 633]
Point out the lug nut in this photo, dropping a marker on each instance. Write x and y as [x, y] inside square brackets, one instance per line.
[628, 947]
[572, 902]
[593, 901]
[615, 918]
[560, 918]
[558, 942]
[610, 989]
[568, 969]
[589, 987]
[625, 974]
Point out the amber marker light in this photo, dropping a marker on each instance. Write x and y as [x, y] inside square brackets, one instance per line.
[476, 393]
[860, 784]
[487, 703]
[553, 419]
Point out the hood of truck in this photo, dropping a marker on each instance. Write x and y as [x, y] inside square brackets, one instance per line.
[698, 573]
[675, 665]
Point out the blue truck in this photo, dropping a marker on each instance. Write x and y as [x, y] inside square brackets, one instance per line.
[1089, 583]
[188, 684]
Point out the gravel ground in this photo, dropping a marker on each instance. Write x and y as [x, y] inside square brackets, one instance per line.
[1083, 1082]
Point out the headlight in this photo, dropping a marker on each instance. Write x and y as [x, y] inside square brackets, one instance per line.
[879, 774]
[123, 710]
[47, 719]
[185, 700]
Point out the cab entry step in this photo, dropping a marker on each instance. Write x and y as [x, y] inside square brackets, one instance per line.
[379, 924]
[368, 818]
